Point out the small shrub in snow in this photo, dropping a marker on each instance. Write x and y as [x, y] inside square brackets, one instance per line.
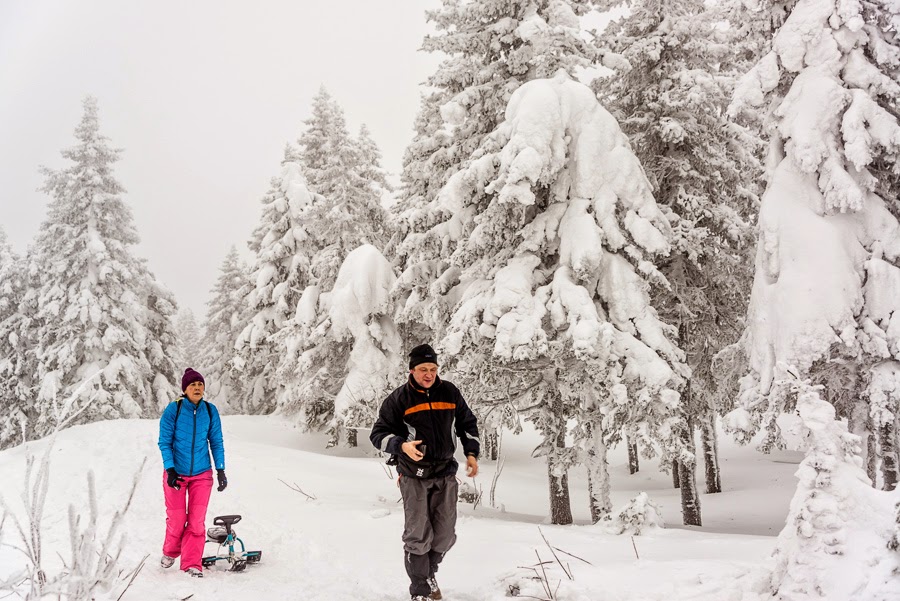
[639, 514]
[467, 493]
[833, 545]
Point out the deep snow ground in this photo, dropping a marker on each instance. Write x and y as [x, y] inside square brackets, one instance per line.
[345, 544]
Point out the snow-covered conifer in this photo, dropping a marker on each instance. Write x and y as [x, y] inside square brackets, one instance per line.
[670, 100]
[825, 297]
[13, 348]
[352, 355]
[278, 275]
[92, 296]
[555, 232]
[188, 338]
[492, 48]
[222, 329]
[835, 519]
[162, 340]
[370, 165]
[336, 168]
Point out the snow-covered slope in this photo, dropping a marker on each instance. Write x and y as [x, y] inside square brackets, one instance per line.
[345, 544]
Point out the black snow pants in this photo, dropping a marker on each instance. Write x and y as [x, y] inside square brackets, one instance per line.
[429, 509]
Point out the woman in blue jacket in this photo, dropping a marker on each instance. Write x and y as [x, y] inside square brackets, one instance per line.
[188, 431]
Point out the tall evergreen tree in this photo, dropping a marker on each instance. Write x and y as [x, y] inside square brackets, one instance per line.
[492, 48]
[823, 303]
[671, 102]
[347, 214]
[12, 346]
[278, 275]
[92, 296]
[370, 165]
[547, 290]
[224, 322]
[336, 168]
[188, 338]
[161, 309]
[352, 349]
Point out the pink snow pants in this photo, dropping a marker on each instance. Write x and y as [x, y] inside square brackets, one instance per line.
[185, 528]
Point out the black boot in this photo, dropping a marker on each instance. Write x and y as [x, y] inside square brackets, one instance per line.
[417, 568]
[434, 558]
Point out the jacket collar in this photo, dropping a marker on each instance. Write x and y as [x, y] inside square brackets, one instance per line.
[415, 387]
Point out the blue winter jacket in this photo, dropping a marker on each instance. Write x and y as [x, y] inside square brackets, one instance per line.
[185, 444]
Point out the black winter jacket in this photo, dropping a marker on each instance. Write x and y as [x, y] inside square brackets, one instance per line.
[436, 416]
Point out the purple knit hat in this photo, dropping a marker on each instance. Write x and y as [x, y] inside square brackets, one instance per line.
[190, 376]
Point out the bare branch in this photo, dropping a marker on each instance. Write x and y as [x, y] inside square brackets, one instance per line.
[555, 556]
[296, 488]
[544, 581]
[575, 556]
[134, 575]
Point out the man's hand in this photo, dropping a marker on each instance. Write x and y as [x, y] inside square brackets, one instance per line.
[411, 448]
[471, 466]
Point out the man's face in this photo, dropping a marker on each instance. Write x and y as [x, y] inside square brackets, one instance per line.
[194, 391]
[424, 374]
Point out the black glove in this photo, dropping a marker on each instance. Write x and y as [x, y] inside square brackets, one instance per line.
[223, 481]
[173, 478]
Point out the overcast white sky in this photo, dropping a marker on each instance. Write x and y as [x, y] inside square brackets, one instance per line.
[202, 96]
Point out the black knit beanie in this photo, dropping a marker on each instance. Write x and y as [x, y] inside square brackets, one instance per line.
[422, 354]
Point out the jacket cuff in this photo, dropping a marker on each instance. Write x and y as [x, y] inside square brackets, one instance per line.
[393, 446]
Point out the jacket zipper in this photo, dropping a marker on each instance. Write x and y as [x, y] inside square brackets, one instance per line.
[193, 440]
[431, 415]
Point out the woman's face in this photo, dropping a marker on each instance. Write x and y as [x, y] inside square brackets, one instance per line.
[194, 391]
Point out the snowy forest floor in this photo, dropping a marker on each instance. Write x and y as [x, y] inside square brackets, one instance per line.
[345, 545]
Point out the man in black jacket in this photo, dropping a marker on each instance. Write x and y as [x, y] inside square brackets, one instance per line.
[418, 425]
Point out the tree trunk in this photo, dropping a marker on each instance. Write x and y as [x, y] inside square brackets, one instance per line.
[560, 504]
[690, 498]
[872, 461]
[858, 423]
[676, 481]
[711, 453]
[894, 543]
[598, 474]
[491, 446]
[886, 440]
[633, 466]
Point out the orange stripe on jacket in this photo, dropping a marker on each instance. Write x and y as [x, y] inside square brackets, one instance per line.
[427, 406]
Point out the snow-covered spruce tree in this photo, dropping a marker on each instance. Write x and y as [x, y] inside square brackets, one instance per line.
[336, 168]
[670, 100]
[222, 329]
[188, 338]
[159, 319]
[348, 214]
[91, 294]
[354, 351]
[13, 384]
[278, 275]
[492, 48]
[825, 295]
[370, 165]
[555, 232]
[833, 545]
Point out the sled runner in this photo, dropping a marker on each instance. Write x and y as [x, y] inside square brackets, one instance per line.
[223, 534]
